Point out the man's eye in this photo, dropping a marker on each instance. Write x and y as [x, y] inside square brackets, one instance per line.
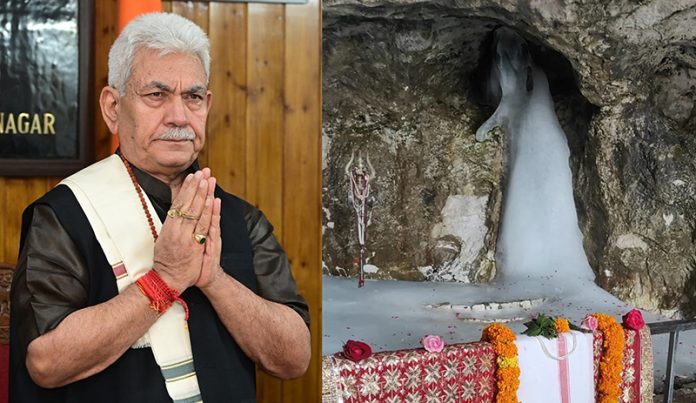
[156, 94]
[193, 97]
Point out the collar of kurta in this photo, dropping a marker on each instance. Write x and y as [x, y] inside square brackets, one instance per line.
[154, 187]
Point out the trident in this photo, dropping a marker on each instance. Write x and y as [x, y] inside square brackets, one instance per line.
[359, 192]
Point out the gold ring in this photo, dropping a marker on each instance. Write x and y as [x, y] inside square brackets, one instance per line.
[188, 216]
[178, 213]
[199, 238]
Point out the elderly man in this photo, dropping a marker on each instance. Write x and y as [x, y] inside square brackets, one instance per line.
[140, 280]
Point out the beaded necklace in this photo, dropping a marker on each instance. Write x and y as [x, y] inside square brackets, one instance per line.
[140, 195]
[151, 284]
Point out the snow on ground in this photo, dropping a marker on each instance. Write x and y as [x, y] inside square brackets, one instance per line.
[393, 315]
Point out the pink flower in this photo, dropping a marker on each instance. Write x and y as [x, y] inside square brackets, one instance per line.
[589, 323]
[434, 344]
[633, 320]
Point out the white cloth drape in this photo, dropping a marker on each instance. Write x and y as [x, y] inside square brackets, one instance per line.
[540, 375]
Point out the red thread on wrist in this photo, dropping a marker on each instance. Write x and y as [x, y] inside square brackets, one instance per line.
[158, 292]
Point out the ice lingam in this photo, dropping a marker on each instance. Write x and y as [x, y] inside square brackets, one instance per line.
[539, 239]
[539, 234]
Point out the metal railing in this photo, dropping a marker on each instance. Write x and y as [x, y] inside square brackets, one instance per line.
[673, 328]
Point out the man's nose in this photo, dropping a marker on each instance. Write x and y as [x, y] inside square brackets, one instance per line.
[177, 113]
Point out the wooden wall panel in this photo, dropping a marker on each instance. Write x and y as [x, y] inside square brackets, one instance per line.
[105, 33]
[226, 137]
[265, 125]
[17, 193]
[302, 169]
[265, 118]
[5, 229]
[263, 138]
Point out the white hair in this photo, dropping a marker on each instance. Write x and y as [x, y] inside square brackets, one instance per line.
[164, 32]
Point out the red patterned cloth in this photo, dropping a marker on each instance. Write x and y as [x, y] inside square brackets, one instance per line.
[460, 373]
[637, 374]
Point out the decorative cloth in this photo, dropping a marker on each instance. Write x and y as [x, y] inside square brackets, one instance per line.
[546, 376]
[459, 373]
[466, 372]
[637, 379]
[637, 376]
[123, 233]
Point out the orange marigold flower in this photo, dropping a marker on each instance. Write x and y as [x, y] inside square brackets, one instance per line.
[611, 363]
[508, 372]
[505, 349]
[497, 332]
[562, 325]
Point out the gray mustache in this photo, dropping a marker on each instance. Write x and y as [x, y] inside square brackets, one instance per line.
[178, 133]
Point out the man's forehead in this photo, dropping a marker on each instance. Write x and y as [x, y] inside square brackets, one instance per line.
[150, 69]
[164, 86]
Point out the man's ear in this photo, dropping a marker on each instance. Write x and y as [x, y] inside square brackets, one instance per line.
[209, 99]
[109, 103]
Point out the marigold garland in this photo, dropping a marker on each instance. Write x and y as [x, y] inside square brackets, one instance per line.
[562, 325]
[508, 373]
[611, 364]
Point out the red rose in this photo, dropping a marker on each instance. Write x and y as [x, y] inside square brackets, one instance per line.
[356, 350]
[633, 320]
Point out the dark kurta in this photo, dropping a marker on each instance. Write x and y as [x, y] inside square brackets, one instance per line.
[62, 269]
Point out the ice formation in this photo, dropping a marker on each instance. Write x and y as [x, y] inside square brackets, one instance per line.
[539, 234]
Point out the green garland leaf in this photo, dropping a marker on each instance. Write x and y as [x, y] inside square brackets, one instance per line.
[542, 325]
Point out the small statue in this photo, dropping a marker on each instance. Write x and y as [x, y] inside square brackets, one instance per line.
[359, 196]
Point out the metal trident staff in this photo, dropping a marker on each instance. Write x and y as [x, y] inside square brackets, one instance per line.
[359, 193]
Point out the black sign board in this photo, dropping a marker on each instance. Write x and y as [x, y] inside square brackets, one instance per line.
[44, 84]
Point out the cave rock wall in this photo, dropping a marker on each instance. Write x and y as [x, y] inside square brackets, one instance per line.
[402, 83]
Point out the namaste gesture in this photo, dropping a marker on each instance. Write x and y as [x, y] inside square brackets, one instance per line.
[187, 251]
